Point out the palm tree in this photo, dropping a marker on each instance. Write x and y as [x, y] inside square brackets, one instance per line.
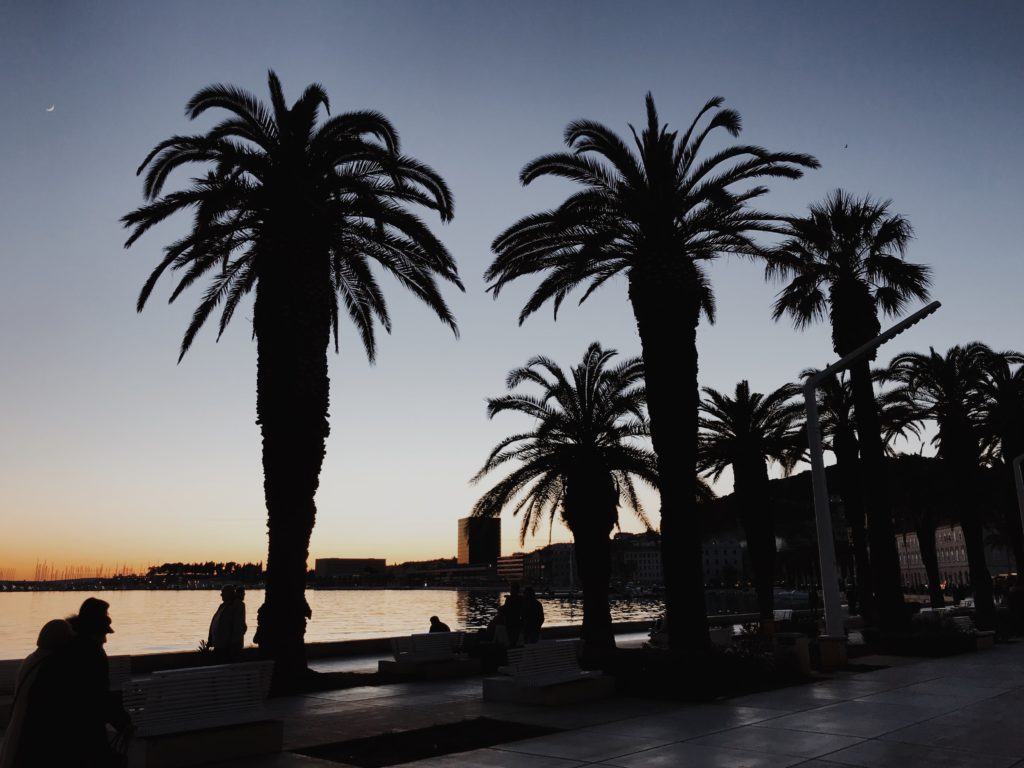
[295, 210]
[580, 461]
[948, 389]
[896, 417]
[746, 432]
[854, 248]
[657, 216]
[1003, 424]
[922, 494]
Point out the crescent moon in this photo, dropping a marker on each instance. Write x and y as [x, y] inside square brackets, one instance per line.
[51, 108]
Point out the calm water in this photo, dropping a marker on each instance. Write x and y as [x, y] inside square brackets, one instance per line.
[152, 621]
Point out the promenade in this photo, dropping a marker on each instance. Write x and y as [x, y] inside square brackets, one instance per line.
[962, 711]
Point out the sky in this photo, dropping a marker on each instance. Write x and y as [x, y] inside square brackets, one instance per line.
[112, 453]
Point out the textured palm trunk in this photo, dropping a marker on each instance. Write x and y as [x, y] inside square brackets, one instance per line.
[590, 511]
[757, 518]
[666, 308]
[885, 563]
[850, 489]
[966, 498]
[925, 530]
[292, 327]
[593, 566]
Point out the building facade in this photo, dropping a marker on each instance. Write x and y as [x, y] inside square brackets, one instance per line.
[479, 541]
[952, 556]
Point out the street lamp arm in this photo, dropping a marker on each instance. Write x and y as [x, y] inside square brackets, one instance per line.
[812, 383]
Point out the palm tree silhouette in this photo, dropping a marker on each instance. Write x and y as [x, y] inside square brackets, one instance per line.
[1003, 424]
[655, 216]
[580, 461]
[897, 419]
[948, 389]
[846, 257]
[296, 211]
[746, 433]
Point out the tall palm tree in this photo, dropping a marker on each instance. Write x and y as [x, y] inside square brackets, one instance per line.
[657, 216]
[580, 461]
[745, 433]
[948, 389]
[1003, 424]
[296, 210]
[836, 408]
[847, 257]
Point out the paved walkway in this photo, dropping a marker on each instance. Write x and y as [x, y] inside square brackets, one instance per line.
[964, 711]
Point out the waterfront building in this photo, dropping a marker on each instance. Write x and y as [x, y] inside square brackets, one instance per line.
[512, 567]
[479, 541]
[350, 569]
[951, 554]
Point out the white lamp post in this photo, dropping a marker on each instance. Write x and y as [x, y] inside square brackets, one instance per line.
[826, 544]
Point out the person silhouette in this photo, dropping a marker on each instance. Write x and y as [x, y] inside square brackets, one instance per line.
[436, 625]
[513, 614]
[70, 703]
[227, 628]
[27, 729]
[533, 616]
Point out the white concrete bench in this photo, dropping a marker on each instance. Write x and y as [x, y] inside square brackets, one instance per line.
[429, 654]
[982, 638]
[546, 673]
[785, 614]
[203, 714]
[428, 646]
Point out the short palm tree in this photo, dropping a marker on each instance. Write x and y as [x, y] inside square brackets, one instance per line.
[295, 210]
[656, 216]
[745, 433]
[948, 389]
[846, 257]
[580, 461]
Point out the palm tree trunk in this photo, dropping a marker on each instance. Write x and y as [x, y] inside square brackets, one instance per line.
[292, 330]
[757, 518]
[967, 496]
[593, 566]
[885, 563]
[848, 464]
[930, 558]
[666, 309]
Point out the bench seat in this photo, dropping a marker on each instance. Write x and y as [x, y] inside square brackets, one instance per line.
[429, 655]
[193, 716]
[547, 674]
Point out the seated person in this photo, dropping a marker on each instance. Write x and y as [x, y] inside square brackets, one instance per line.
[436, 625]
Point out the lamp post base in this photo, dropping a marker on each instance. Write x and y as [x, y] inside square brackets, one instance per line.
[832, 650]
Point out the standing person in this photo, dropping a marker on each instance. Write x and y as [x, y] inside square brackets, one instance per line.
[227, 628]
[533, 616]
[30, 727]
[513, 614]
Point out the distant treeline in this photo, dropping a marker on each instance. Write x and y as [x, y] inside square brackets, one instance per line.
[245, 572]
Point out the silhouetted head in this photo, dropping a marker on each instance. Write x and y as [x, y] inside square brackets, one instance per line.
[514, 588]
[240, 593]
[93, 620]
[528, 592]
[55, 634]
[434, 620]
[227, 594]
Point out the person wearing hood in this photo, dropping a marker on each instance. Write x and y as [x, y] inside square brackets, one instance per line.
[25, 728]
